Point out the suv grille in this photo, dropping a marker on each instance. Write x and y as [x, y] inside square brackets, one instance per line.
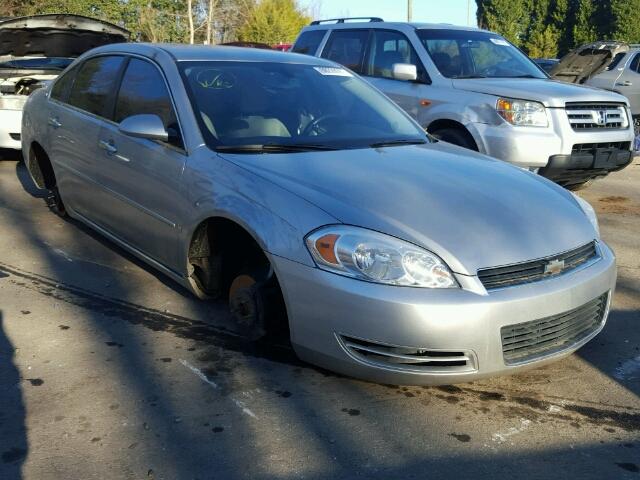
[524, 342]
[587, 116]
[535, 270]
[593, 147]
[407, 358]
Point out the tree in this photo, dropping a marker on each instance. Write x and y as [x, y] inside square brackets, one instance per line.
[510, 18]
[585, 28]
[625, 16]
[273, 21]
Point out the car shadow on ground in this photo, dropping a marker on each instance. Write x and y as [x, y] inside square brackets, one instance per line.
[13, 437]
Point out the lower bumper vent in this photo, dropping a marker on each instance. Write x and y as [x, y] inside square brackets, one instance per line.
[408, 358]
[529, 341]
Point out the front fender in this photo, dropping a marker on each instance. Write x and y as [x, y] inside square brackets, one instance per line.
[277, 219]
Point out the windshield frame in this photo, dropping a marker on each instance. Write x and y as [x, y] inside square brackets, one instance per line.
[451, 34]
[315, 143]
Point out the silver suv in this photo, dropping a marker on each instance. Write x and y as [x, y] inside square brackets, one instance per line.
[473, 88]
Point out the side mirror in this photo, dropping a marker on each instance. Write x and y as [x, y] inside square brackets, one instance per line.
[405, 71]
[144, 126]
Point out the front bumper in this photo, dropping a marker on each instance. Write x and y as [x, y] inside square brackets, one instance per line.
[324, 309]
[585, 164]
[533, 147]
[10, 128]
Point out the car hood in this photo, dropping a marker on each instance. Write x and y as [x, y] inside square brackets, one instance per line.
[548, 92]
[587, 61]
[473, 211]
[56, 35]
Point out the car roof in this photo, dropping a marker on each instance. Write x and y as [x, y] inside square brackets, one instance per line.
[185, 53]
[393, 25]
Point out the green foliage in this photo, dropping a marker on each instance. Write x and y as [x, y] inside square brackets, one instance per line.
[550, 28]
[273, 21]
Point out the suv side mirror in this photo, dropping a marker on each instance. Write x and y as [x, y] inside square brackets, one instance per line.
[405, 71]
[144, 126]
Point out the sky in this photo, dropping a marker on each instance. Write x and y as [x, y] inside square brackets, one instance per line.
[431, 11]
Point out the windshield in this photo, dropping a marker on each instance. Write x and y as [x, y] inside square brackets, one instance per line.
[258, 104]
[469, 54]
[40, 63]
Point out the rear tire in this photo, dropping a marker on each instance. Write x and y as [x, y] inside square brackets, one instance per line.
[456, 136]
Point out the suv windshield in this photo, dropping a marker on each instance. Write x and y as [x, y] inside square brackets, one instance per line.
[39, 63]
[469, 54]
[286, 107]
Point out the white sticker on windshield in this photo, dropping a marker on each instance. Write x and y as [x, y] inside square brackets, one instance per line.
[335, 71]
[499, 41]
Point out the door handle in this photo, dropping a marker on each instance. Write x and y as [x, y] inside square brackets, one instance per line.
[626, 83]
[108, 146]
[54, 122]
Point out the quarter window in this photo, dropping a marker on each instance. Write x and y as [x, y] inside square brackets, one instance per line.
[388, 48]
[143, 91]
[347, 48]
[309, 42]
[94, 85]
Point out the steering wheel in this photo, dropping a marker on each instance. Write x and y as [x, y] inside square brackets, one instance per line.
[314, 124]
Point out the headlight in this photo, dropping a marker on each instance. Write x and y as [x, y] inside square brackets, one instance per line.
[522, 113]
[375, 257]
[588, 211]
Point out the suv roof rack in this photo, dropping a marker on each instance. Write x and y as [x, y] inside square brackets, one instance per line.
[345, 19]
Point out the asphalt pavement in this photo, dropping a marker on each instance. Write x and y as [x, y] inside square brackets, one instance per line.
[109, 370]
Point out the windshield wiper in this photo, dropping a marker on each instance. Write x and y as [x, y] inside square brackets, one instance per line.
[274, 148]
[399, 142]
[463, 77]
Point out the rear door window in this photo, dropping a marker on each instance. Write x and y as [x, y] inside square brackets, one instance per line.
[347, 47]
[95, 84]
[144, 91]
[309, 42]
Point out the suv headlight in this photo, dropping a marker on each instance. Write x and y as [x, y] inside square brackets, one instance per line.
[588, 211]
[522, 113]
[375, 257]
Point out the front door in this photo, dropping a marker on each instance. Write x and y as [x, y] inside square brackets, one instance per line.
[142, 177]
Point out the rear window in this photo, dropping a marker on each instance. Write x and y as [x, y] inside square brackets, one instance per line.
[309, 42]
[347, 48]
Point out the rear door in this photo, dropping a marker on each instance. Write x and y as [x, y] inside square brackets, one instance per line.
[140, 177]
[79, 104]
[387, 47]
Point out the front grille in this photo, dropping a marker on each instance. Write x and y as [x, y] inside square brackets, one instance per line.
[524, 342]
[535, 270]
[589, 116]
[592, 147]
[408, 358]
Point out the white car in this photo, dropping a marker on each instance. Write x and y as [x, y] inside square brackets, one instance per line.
[33, 51]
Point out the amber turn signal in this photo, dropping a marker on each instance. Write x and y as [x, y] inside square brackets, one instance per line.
[326, 247]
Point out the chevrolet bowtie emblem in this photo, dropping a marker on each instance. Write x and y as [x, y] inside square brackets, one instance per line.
[554, 267]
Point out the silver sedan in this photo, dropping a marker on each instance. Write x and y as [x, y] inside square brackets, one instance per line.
[294, 189]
